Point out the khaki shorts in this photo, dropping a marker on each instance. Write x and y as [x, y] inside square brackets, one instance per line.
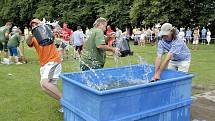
[179, 65]
[196, 41]
[50, 71]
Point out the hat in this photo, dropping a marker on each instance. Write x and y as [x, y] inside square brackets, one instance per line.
[165, 29]
[14, 28]
[35, 21]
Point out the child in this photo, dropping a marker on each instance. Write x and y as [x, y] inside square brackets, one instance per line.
[13, 43]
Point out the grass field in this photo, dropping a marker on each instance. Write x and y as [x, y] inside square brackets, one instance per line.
[21, 98]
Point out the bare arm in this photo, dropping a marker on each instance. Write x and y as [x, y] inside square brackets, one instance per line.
[165, 62]
[159, 67]
[29, 41]
[158, 63]
[7, 35]
[106, 48]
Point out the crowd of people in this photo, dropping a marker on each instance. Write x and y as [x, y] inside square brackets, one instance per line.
[51, 43]
[152, 36]
[9, 41]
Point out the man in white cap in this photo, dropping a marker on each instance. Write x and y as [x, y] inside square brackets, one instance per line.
[178, 54]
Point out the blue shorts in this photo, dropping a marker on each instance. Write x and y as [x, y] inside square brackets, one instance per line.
[13, 51]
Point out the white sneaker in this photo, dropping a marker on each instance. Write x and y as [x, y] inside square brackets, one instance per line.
[60, 110]
[18, 63]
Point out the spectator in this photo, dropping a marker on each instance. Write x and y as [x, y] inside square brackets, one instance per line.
[181, 35]
[66, 32]
[203, 32]
[4, 36]
[110, 36]
[188, 35]
[13, 43]
[78, 41]
[208, 36]
[195, 38]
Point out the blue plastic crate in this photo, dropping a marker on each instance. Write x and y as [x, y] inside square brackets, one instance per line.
[166, 100]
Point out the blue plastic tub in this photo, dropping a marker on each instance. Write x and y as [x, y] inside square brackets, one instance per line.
[166, 100]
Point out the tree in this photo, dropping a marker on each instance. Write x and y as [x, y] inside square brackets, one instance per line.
[159, 11]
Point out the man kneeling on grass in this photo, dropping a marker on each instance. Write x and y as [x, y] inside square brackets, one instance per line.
[50, 63]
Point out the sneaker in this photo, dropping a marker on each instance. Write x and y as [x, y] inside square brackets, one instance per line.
[60, 110]
[18, 63]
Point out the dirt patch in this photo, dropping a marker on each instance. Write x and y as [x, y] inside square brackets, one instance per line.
[203, 110]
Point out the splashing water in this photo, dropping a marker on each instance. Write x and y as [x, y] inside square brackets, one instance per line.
[87, 78]
[146, 68]
[125, 80]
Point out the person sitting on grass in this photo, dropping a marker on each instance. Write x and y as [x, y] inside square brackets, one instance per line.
[178, 54]
[13, 43]
[50, 63]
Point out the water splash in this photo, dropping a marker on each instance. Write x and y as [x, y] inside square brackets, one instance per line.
[146, 68]
[87, 78]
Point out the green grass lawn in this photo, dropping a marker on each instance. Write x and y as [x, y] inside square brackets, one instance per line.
[21, 98]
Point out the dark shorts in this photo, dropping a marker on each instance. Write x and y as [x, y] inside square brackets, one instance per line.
[79, 48]
[3, 46]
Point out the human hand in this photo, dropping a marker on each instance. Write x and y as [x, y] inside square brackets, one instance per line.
[156, 77]
[117, 51]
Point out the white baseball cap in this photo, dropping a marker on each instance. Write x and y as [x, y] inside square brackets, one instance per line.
[166, 29]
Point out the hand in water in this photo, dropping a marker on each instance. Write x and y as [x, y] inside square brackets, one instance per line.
[155, 77]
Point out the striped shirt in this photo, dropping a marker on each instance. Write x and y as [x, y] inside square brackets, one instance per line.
[177, 47]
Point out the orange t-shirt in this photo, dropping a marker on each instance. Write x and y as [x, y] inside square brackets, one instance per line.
[46, 53]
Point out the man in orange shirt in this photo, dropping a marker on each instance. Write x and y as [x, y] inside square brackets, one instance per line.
[50, 63]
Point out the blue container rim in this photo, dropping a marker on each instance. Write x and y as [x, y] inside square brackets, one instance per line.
[111, 91]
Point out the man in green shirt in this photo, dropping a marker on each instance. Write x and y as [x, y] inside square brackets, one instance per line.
[93, 55]
[4, 36]
[13, 43]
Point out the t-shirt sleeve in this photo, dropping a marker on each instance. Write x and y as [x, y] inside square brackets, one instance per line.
[99, 38]
[160, 49]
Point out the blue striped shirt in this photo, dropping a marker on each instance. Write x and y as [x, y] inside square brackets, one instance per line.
[177, 47]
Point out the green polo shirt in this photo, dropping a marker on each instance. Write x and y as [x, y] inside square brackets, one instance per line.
[3, 30]
[91, 55]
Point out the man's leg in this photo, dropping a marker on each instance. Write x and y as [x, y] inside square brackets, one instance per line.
[49, 75]
[51, 89]
[1, 52]
[5, 50]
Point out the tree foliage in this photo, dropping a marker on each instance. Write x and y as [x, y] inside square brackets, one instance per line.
[118, 12]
